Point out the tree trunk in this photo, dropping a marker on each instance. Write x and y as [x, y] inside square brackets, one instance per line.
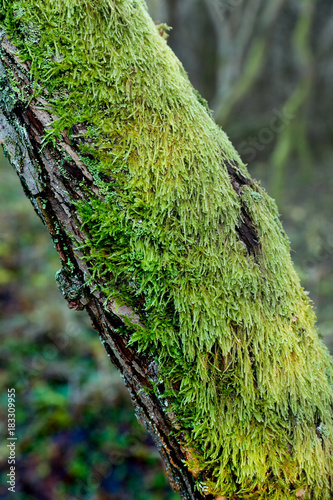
[177, 255]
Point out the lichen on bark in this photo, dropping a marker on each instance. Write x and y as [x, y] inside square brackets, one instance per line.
[182, 235]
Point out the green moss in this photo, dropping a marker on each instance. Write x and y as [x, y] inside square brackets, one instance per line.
[233, 332]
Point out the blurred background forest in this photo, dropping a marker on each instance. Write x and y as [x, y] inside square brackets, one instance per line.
[265, 67]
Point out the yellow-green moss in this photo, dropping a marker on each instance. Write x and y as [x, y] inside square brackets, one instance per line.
[233, 331]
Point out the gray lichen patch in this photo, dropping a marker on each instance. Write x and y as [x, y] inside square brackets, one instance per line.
[13, 137]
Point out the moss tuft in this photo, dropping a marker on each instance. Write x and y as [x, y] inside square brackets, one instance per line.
[232, 330]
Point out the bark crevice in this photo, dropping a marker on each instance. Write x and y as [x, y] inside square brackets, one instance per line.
[246, 229]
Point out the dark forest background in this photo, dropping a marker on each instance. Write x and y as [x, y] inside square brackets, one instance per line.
[265, 67]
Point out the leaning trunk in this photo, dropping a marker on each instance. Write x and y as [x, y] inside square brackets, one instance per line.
[176, 253]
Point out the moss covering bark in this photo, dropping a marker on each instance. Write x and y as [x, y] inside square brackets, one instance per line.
[195, 246]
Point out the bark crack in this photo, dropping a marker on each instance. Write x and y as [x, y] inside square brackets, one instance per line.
[246, 229]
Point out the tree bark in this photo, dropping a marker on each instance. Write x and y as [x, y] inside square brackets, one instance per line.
[222, 334]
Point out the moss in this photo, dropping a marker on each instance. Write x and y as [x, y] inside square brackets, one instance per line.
[233, 332]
